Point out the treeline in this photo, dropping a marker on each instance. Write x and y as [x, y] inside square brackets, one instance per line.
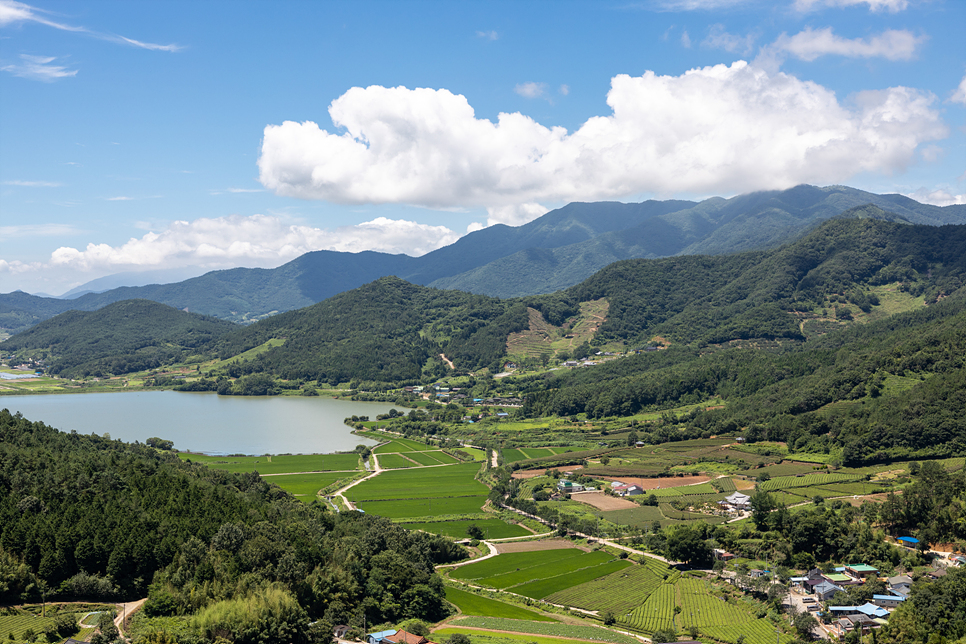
[128, 336]
[88, 516]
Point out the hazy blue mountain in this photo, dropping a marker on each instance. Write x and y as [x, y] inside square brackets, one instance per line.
[138, 278]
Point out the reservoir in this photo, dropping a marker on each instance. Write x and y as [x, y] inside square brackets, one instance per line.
[205, 422]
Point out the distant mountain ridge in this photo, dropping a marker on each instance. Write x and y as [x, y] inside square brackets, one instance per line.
[555, 251]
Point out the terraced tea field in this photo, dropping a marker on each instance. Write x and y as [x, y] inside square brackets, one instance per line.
[619, 592]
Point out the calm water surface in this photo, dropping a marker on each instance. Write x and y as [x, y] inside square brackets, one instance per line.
[205, 422]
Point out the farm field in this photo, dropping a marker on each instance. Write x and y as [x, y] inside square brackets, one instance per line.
[423, 507]
[552, 568]
[431, 458]
[453, 480]
[540, 588]
[619, 592]
[492, 528]
[513, 561]
[402, 445]
[306, 484]
[808, 480]
[473, 604]
[551, 629]
[395, 461]
[280, 464]
[481, 636]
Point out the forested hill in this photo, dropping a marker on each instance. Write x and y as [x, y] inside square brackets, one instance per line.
[386, 331]
[393, 331]
[131, 335]
[707, 299]
[555, 251]
[90, 517]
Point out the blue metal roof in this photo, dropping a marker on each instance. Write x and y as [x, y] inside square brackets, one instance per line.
[894, 598]
[909, 539]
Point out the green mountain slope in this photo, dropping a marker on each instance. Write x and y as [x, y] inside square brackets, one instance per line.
[386, 331]
[126, 336]
[714, 226]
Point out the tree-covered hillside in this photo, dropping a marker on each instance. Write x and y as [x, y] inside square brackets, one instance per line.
[85, 516]
[127, 336]
[386, 331]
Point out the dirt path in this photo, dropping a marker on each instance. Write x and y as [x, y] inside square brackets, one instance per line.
[341, 491]
[449, 363]
[124, 615]
[493, 552]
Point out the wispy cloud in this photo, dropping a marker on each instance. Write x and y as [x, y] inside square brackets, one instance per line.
[33, 184]
[16, 12]
[687, 5]
[719, 38]
[531, 89]
[39, 68]
[810, 44]
[488, 35]
[38, 230]
[235, 191]
[685, 39]
[119, 199]
[892, 6]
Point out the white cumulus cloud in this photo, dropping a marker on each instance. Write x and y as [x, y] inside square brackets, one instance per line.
[722, 129]
[937, 197]
[258, 239]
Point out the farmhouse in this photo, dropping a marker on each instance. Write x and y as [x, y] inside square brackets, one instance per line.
[827, 589]
[569, 486]
[634, 490]
[861, 571]
[887, 601]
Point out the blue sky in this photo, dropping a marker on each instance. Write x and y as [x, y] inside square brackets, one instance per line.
[139, 136]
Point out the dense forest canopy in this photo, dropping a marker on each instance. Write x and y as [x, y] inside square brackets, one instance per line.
[126, 336]
[89, 516]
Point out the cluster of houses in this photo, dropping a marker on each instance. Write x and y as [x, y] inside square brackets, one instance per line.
[824, 586]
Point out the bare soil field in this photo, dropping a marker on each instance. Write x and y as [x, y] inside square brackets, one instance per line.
[670, 481]
[601, 501]
[533, 546]
[531, 474]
